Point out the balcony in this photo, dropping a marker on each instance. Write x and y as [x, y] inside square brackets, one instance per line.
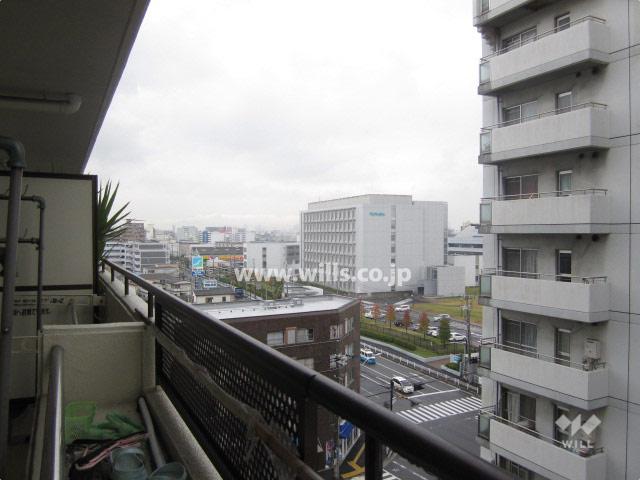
[584, 126]
[583, 385]
[543, 455]
[494, 13]
[583, 43]
[583, 299]
[569, 212]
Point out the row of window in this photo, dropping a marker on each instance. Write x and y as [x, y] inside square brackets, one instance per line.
[339, 226]
[295, 335]
[342, 214]
[526, 186]
[523, 262]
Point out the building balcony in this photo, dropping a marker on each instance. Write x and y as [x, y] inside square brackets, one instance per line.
[583, 43]
[543, 455]
[224, 404]
[583, 385]
[570, 212]
[582, 299]
[494, 13]
[584, 126]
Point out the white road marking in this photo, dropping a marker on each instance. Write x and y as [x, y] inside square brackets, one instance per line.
[425, 413]
[434, 393]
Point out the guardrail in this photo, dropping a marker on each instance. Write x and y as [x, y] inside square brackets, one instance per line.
[542, 276]
[488, 413]
[473, 386]
[562, 193]
[549, 113]
[587, 366]
[588, 18]
[254, 410]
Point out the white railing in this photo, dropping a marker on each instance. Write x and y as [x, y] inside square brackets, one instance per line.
[544, 276]
[562, 193]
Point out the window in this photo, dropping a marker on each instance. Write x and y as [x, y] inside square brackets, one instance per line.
[348, 325]
[519, 113]
[348, 349]
[307, 362]
[517, 470]
[564, 181]
[519, 409]
[521, 187]
[335, 331]
[520, 262]
[484, 6]
[520, 336]
[563, 22]
[275, 338]
[519, 39]
[558, 434]
[563, 346]
[291, 335]
[563, 265]
[304, 335]
[564, 102]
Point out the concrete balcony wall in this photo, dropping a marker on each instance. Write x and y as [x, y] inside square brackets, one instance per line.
[563, 214]
[573, 382]
[497, 9]
[586, 127]
[569, 300]
[583, 44]
[545, 458]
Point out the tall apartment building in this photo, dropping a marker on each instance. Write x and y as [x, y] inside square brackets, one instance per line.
[188, 233]
[134, 232]
[559, 149]
[385, 232]
[137, 257]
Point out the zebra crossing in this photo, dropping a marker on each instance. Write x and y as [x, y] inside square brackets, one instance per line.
[434, 411]
[388, 476]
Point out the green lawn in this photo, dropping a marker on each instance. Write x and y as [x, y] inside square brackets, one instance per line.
[451, 306]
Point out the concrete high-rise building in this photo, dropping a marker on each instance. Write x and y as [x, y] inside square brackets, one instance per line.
[138, 257]
[134, 232]
[188, 233]
[272, 255]
[381, 232]
[560, 153]
[464, 249]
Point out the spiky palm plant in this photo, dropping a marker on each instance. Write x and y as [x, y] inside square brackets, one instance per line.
[109, 226]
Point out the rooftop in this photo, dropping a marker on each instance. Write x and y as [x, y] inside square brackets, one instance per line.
[321, 303]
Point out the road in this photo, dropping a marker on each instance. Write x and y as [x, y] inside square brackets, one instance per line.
[438, 407]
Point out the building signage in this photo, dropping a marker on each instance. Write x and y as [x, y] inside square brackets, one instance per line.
[376, 214]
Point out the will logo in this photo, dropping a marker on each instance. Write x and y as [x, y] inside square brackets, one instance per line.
[575, 426]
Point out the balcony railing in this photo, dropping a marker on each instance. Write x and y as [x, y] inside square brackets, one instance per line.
[489, 343]
[238, 395]
[484, 428]
[530, 40]
[488, 272]
[563, 193]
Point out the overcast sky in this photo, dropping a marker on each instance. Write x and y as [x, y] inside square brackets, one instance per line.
[240, 112]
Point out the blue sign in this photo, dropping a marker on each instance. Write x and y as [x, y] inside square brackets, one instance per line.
[376, 214]
[196, 262]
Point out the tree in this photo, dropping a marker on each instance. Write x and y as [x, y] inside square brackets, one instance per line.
[445, 331]
[362, 312]
[376, 312]
[406, 319]
[391, 314]
[424, 323]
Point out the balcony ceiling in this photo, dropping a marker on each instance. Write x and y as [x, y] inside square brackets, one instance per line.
[59, 48]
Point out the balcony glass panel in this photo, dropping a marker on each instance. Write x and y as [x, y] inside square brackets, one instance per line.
[485, 72]
[485, 285]
[485, 213]
[485, 142]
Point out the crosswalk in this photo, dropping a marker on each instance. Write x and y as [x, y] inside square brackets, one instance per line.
[388, 476]
[426, 413]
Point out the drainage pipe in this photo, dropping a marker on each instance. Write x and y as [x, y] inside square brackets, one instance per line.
[16, 165]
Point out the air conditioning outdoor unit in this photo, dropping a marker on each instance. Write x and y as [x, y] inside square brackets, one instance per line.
[592, 349]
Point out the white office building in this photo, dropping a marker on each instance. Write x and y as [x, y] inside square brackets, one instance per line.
[367, 232]
[464, 249]
[272, 255]
[560, 149]
[137, 257]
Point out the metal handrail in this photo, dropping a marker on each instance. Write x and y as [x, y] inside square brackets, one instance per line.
[539, 276]
[490, 412]
[445, 460]
[586, 366]
[53, 454]
[559, 193]
[550, 113]
[554, 30]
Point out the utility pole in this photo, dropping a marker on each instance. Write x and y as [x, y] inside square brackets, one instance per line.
[467, 316]
[391, 395]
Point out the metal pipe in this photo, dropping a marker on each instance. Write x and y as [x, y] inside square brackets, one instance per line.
[154, 445]
[16, 164]
[65, 104]
[41, 206]
[53, 447]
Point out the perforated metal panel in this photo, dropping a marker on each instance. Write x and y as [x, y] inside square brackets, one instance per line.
[221, 434]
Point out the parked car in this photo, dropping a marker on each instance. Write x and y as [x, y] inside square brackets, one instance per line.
[403, 308]
[433, 331]
[402, 384]
[369, 314]
[441, 316]
[457, 337]
[367, 356]
[398, 323]
[415, 327]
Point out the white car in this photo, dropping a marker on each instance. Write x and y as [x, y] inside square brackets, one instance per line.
[433, 331]
[403, 308]
[457, 337]
[441, 316]
[402, 384]
[369, 314]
